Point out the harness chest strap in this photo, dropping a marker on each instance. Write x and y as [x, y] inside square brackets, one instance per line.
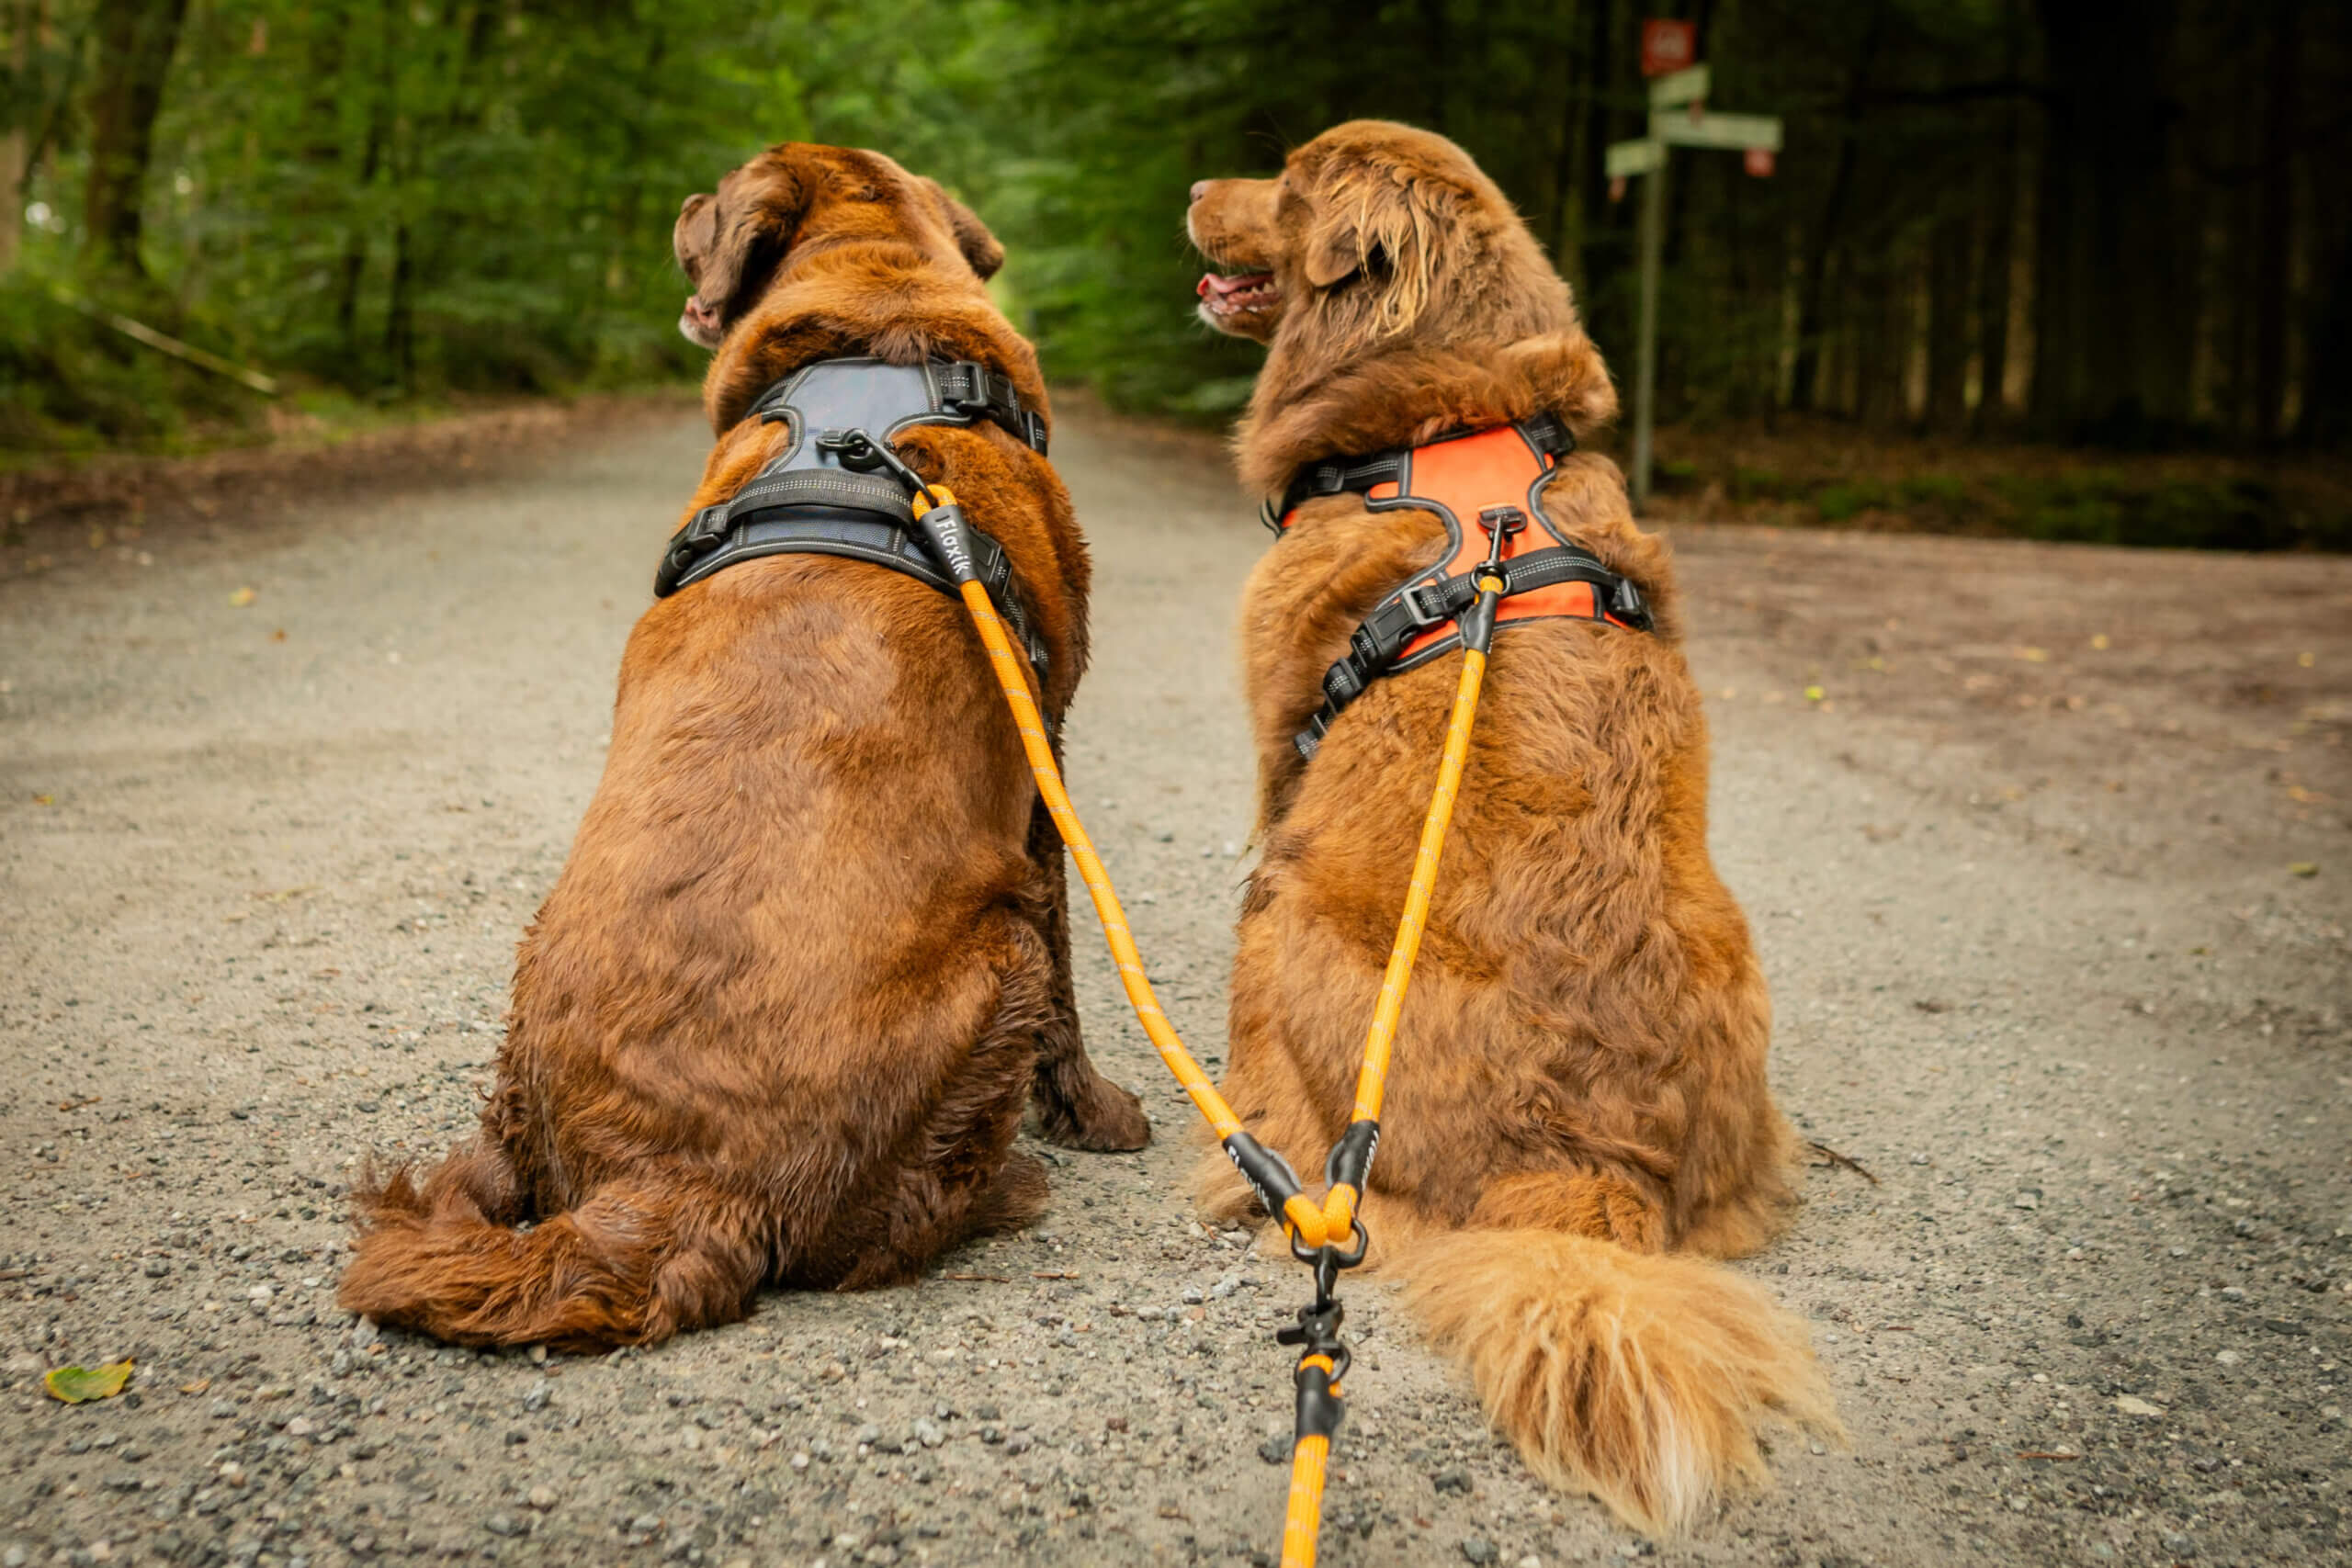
[1496, 478]
[807, 501]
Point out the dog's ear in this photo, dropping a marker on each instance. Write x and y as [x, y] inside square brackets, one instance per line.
[972, 237]
[730, 243]
[1390, 224]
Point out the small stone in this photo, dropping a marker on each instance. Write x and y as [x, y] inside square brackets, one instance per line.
[1454, 1479]
[2181, 1545]
[2132, 1405]
[800, 1460]
[1018, 1443]
[2028, 1199]
[929, 1433]
[1478, 1548]
[2228, 1357]
[1530, 1561]
[1194, 1295]
[541, 1497]
[365, 1333]
[691, 1438]
[157, 1269]
[535, 1397]
[867, 1435]
[538, 1355]
[504, 1525]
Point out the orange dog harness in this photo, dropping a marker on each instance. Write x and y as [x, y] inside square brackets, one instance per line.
[1496, 478]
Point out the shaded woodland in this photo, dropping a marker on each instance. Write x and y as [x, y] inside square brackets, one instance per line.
[2104, 221]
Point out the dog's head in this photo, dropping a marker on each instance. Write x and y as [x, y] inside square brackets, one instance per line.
[1373, 231]
[796, 199]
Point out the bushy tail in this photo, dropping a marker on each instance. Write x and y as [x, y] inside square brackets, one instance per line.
[1639, 1378]
[636, 1263]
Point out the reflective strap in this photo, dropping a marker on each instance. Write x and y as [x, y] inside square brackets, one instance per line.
[1373, 646]
[968, 386]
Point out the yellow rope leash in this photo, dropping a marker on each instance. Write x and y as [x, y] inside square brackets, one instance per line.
[1314, 1232]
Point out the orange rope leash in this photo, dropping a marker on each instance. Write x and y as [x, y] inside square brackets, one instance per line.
[1312, 1229]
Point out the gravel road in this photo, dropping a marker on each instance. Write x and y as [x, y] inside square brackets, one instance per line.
[2051, 875]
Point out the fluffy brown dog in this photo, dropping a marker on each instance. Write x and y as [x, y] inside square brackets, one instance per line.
[810, 957]
[1577, 1113]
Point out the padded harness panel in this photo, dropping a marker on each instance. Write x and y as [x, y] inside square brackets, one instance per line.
[805, 501]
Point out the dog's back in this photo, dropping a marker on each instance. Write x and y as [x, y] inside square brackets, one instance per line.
[808, 959]
[1576, 1115]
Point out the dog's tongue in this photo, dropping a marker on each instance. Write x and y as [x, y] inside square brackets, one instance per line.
[1221, 285]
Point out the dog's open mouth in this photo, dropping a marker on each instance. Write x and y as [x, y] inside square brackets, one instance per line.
[1236, 294]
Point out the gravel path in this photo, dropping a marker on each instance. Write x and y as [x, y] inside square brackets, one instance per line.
[2050, 879]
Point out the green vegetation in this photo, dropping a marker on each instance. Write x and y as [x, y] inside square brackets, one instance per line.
[2080, 221]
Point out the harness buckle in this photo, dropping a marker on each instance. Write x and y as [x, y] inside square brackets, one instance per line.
[1628, 606]
[1424, 618]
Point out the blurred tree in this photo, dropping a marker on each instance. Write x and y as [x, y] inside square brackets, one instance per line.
[135, 40]
[2112, 217]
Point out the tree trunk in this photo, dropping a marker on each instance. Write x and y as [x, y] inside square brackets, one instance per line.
[2110, 351]
[1994, 269]
[2274, 226]
[1812, 295]
[15, 141]
[1947, 259]
[136, 41]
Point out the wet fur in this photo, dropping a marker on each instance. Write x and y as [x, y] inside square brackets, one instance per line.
[1578, 1116]
[809, 959]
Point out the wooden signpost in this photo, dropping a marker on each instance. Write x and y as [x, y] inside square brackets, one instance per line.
[1678, 118]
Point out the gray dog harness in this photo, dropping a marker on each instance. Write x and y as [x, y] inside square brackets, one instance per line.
[808, 501]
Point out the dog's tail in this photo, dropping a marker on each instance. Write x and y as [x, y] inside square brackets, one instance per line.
[1639, 1378]
[634, 1263]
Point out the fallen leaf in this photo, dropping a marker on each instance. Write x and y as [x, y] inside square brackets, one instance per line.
[1813, 693]
[277, 635]
[283, 894]
[2303, 868]
[44, 800]
[241, 598]
[2031, 655]
[2130, 1405]
[2307, 659]
[2099, 641]
[198, 1386]
[75, 1384]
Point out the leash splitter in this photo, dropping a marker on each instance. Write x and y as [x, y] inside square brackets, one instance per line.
[1330, 1237]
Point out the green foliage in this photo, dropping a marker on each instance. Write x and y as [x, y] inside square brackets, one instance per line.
[399, 198]
[68, 383]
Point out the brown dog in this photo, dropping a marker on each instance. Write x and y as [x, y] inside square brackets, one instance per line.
[1577, 1113]
[809, 956]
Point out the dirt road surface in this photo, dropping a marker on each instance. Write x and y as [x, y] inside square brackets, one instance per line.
[2046, 849]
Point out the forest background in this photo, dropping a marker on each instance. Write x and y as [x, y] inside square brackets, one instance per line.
[2087, 224]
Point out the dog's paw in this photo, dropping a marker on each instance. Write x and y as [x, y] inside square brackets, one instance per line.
[1104, 1120]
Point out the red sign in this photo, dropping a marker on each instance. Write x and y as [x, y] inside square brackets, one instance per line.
[1668, 46]
[1759, 163]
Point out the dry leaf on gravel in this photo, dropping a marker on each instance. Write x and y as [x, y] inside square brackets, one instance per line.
[77, 1384]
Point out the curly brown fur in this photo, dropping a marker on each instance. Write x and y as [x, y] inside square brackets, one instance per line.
[1577, 1113]
[773, 1024]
